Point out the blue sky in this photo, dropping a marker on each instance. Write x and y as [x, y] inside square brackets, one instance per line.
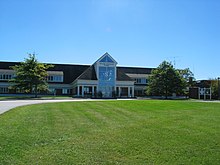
[134, 32]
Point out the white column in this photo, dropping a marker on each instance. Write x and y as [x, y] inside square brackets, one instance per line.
[119, 91]
[132, 92]
[82, 91]
[93, 90]
[129, 91]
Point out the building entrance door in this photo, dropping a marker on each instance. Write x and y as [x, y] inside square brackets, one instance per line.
[106, 91]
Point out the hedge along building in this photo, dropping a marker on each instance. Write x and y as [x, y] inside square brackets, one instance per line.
[103, 77]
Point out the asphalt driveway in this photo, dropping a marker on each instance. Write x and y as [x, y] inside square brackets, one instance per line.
[9, 104]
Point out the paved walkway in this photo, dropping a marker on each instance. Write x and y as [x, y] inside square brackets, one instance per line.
[9, 104]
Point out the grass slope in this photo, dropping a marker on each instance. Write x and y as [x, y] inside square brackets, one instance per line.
[112, 132]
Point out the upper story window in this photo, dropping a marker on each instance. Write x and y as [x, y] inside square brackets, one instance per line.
[54, 78]
[141, 80]
[106, 73]
[107, 59]
[145, 81]
[137, 80]
[6, 74]
[105, 69]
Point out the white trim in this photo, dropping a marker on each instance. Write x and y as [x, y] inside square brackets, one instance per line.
[6, 71]
[106, 54]
[93, 90]
[59, 85]
[55, 73]
[138, 75]
[124, 83]
[86, 82]
[82, 90]
[5, 84]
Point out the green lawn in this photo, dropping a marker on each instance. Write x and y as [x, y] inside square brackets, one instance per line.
[112, 132]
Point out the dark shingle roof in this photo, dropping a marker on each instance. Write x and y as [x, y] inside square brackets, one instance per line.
[135, 70]
[71, 72]
[121, 76]
[88, 74]
[6, 65]
[85, 72]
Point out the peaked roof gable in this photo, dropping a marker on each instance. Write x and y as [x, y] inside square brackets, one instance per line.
[106, 58]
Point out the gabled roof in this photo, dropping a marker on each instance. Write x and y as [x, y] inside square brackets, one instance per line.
[106, 58]
[135, 70]
[121, 76]
[6, 65]
[88, 74]
[72, 72]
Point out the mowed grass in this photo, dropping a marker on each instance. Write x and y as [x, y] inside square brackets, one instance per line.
[112, 132]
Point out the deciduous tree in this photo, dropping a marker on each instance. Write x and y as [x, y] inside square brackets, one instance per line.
[165, 80]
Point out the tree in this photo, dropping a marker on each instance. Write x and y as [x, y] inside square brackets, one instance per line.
[187, 79]
[30, 75]
[165, 80]
[187, 76]
[215, 88]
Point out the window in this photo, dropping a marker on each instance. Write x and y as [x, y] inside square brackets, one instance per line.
[87, 89]
[140, 81]
[107, 59]
[107, 75]
[106, 80]
[65, 91]
[146, 81]
[5, 76]
[137, 80]
[55, 78]
[4, 90]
